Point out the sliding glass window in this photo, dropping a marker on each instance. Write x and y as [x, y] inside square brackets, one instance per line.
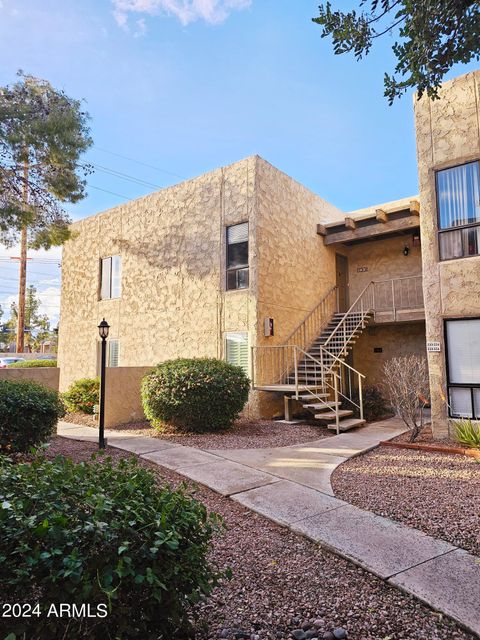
[458, 203]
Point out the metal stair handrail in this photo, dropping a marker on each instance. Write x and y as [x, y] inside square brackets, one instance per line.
[312, 324]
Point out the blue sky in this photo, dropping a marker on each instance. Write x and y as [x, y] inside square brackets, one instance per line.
[209, 82]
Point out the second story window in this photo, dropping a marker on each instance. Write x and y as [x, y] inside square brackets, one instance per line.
[111, 278]
[458, 201]
[237, 256]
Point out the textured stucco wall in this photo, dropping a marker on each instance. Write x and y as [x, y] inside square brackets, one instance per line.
[294, 268]
[384, 260]
[173, 301]
[448, 133]
[46, 376]
[402, 339]
[172, 245]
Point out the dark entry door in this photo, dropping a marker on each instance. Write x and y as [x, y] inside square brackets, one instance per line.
[341, 263]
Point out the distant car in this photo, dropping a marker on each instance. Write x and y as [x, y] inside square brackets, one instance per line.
[4, 362]
[46, 357]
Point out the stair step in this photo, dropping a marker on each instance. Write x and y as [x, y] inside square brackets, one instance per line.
[345, 425]
[343, 413]
[322, 406]
[308, 397]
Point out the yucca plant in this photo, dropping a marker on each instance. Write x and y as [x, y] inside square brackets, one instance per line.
[468, 433]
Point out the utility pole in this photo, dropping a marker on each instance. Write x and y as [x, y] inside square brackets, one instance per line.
[23, 270]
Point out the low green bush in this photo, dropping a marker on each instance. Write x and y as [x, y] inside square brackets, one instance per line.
[32, 363]
[28, 414]
[106, 536]
[82, 395]
[200, 394]
[468, 433]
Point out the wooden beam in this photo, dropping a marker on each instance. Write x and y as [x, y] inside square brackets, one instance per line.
[350, 223]
[321, 230]
[381, 215]
[373, 231]
[414, 207]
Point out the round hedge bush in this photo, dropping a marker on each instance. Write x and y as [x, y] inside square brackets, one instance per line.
[199, 394]
[28, 364]
[82, 395]
[28, 414]
[104, 535]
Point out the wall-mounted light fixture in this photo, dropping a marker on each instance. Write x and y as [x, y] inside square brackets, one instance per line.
[406, 250]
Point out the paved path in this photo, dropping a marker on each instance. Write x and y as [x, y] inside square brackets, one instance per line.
[291, 486]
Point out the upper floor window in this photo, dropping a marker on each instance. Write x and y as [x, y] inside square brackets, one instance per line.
[458, 198]
[111, 278]
[237, 256]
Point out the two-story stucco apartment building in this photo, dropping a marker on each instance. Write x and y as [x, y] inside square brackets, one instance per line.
[245, 263]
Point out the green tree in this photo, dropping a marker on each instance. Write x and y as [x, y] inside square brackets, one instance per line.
[43, 133]
[37, 325]
[431, 36]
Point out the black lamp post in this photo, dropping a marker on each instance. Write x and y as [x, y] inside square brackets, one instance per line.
[103, 329]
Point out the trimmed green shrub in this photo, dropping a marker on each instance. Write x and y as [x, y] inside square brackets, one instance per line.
[28, 414]
[32, 363]
[106, 536]
[82, 395]
[200, 394]
[468, 433]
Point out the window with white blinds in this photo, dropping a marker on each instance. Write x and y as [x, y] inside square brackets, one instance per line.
[237, 256]
[463, 352]
[113, 353]
[236, 349]
[458, 201]
[111, 278]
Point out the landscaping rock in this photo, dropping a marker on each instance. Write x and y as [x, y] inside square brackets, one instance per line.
[319, 622]
[299, 634]
[309, 635]
[328, 635]
[340, 633]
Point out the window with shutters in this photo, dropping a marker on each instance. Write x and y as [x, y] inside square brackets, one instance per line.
[112, 353]
[237, 256]
[110, 277]
[458, 204]
[236, 349]
[463, 367]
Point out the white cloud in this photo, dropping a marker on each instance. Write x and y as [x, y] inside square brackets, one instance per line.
[186, 11]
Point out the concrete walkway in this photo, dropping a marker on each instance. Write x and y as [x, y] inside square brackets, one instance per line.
[291, 486]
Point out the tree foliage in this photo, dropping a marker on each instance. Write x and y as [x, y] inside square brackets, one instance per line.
[36, 323]
[43, 132]
[432, 36]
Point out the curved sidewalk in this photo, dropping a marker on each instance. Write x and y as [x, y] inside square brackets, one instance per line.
[291, 486]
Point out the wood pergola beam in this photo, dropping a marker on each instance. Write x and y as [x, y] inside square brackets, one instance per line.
[381, 215]
[372, 231]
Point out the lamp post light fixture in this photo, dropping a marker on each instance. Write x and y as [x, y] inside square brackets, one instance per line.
[103, 329]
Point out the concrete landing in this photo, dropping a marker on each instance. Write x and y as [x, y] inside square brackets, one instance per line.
[291, 486]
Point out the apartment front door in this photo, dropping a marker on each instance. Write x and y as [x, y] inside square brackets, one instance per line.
[341, 264]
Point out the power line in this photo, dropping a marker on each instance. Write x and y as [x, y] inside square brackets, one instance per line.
[125, 176]
[145, 164]
[112, 193]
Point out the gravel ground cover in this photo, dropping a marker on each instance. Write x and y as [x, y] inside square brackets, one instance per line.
[426, 437]
[435, 492]
[245, 434]
[283, 582]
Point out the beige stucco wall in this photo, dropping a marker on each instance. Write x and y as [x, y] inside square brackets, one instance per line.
[172, 245]
[447, 134]
[383, 260]
[401, 339]
[123, 402]
[173, 300]
[294, 268]
[46, 376]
